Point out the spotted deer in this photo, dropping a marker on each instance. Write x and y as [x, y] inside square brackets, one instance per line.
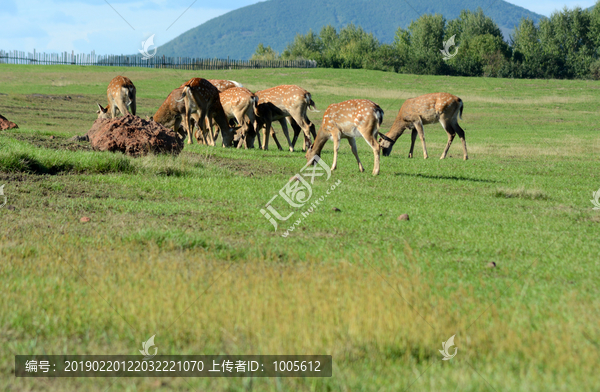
[202, 98]
[171, 112]
[427, 109]
[281, 102]
[121, 95]
[223, 85]
[239, 104]
[349, 120]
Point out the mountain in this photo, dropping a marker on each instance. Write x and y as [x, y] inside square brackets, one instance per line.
[275, 23]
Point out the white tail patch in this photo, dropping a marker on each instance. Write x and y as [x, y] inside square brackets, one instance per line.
[183, 93]
[237, 84]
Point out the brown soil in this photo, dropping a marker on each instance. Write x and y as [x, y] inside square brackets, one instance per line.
[133, 136]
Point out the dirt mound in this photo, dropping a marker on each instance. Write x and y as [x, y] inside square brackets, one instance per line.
[5, 124]
[133, 136]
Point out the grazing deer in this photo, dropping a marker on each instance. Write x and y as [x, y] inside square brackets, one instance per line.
[349, 120]
[223, 85]
[279, 103]
[171, 112]
[121, 95]
[423, 110]
[239, 103]
[202, 98]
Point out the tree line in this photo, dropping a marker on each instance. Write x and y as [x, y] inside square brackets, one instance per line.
[564, 46]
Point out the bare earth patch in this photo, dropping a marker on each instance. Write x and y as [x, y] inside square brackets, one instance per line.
[133, 136]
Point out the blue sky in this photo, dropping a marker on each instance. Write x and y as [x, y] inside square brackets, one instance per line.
[119, 26]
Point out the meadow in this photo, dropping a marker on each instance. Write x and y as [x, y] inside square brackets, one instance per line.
[178, 247]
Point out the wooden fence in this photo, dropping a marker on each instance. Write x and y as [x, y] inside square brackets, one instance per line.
[17, 57]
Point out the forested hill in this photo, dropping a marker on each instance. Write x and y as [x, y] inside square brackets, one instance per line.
[276, 22]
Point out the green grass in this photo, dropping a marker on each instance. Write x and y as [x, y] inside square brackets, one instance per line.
[177, 246]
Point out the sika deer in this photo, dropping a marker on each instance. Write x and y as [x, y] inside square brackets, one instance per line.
[201, 97]
[423, 110]
[171, 112]
[277, 103]
[121, 95]
[240, 104]
[223, 85]
[349, 120]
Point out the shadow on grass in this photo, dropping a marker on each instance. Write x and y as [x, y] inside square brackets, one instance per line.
[453, 178]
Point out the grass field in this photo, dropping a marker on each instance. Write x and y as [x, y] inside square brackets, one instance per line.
[177, 246]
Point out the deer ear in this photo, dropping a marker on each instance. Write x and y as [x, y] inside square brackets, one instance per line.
[101, 109]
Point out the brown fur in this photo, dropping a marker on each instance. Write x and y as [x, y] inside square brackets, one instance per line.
[348, 120]
[423, 110]
[279, 103]
[121, 95]
[201, 97]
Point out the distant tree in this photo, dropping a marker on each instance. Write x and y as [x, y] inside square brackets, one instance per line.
[424, 39]
[304, 47]
[265, 53]
[483, 50]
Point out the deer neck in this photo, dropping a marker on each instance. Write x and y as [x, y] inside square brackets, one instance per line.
[397, 129]
[319, 143]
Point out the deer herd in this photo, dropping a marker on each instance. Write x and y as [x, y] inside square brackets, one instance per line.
[240, 115]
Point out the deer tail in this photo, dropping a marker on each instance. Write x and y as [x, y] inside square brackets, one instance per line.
[460, 103]
[379, 115]
[311, 104]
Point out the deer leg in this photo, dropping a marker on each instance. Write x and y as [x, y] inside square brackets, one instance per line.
[274, 136]
[257, 130]
[132, 107]
[113, 110]
[296, 129]
[284, 128]
[413, 138]
[461, 135]
[201, 126]
[352, 142]
[209, 131]
[450, 131]
[303, 123]
[187, 126]
[336, 146]
[372, 141]
[265, 145]
[419, 127]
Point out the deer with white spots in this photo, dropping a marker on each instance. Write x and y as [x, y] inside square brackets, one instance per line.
[349, 120]
[121, 95]
[223, 85]
[281, 102]
[427, 109]
[202, 98]
[239, 104]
